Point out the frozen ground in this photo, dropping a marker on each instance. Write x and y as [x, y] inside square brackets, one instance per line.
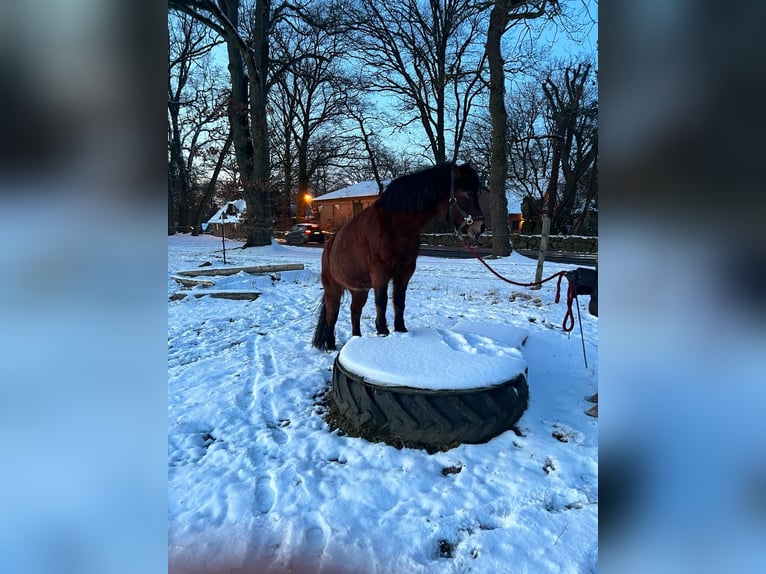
[258, 483]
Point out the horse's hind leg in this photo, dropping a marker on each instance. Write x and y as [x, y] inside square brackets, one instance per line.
[358, 299]
[324, 334]
[332, 299]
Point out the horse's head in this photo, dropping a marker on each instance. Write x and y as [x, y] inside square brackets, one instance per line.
[464, 211]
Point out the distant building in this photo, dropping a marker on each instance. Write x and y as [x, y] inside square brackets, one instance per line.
[231, 214]
[336, 208]
[515, 218]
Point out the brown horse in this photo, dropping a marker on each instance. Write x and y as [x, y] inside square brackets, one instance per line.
[382, 243]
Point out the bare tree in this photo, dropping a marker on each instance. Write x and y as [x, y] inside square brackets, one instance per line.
[478, 139]
[553, 132]
[188, 42]
[210, 187]
[358, 111]
[282, 110]
[574, 116]
[311, 98]
[528, 143]
[427, 56]
[207, 140]
[503, 15]
[247, 44]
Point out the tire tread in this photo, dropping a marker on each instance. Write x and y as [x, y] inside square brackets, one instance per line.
[429, 419]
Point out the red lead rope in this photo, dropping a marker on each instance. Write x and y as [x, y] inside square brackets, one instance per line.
[568, 324]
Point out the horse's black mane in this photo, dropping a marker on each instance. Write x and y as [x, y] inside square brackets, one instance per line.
[418, 191]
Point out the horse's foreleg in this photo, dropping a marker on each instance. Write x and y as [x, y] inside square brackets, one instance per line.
[400, 293]
[358, 299]
[399, 296]
[381, 300]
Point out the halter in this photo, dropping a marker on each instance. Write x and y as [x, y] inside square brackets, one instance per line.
[467, 217]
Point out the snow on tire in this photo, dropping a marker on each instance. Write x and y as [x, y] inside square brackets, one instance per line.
[426, 418]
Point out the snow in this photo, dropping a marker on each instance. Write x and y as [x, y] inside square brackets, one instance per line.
[432, 359]
[361, 189]
[258, 482]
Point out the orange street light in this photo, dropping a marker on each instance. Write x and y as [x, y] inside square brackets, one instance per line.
[308, 198]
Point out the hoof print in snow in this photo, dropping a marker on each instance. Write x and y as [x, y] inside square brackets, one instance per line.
[563, 434]
[208, 439]
[445, 549]
[552, 506]
[447, 470]
[549, 466]
[560, 436]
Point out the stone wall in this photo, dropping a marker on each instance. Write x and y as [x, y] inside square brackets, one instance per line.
[568, 243]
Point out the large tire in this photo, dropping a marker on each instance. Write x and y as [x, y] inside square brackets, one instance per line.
[431, 419]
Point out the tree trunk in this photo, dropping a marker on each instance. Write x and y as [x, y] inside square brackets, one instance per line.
[301, 204]
[210, 189]
[180, 176]
[498, 167]
[549, 206]
[250, 138]
[238, 104]
[171, 206]
[543, 248]
[283, 212]
[259, 221]
[248, 102]
[592, 189]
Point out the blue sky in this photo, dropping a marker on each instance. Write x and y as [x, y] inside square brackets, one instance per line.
[564, 45]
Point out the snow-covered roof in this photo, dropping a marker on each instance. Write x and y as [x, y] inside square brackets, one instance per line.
[370, 188]
[514, 197]
[514, 204]
[239, 207]
[361, 189]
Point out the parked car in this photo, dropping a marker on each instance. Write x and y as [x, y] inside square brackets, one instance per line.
[304, 233]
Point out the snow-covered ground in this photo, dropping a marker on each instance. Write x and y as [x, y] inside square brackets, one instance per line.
[258, 482]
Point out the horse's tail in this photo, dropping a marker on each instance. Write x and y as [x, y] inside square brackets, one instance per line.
[322, 332]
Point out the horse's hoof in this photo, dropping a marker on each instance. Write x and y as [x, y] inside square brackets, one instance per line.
[385, 333]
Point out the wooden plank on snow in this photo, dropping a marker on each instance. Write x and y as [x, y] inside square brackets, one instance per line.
[237, 295]
[193, 282]
[254, 269]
